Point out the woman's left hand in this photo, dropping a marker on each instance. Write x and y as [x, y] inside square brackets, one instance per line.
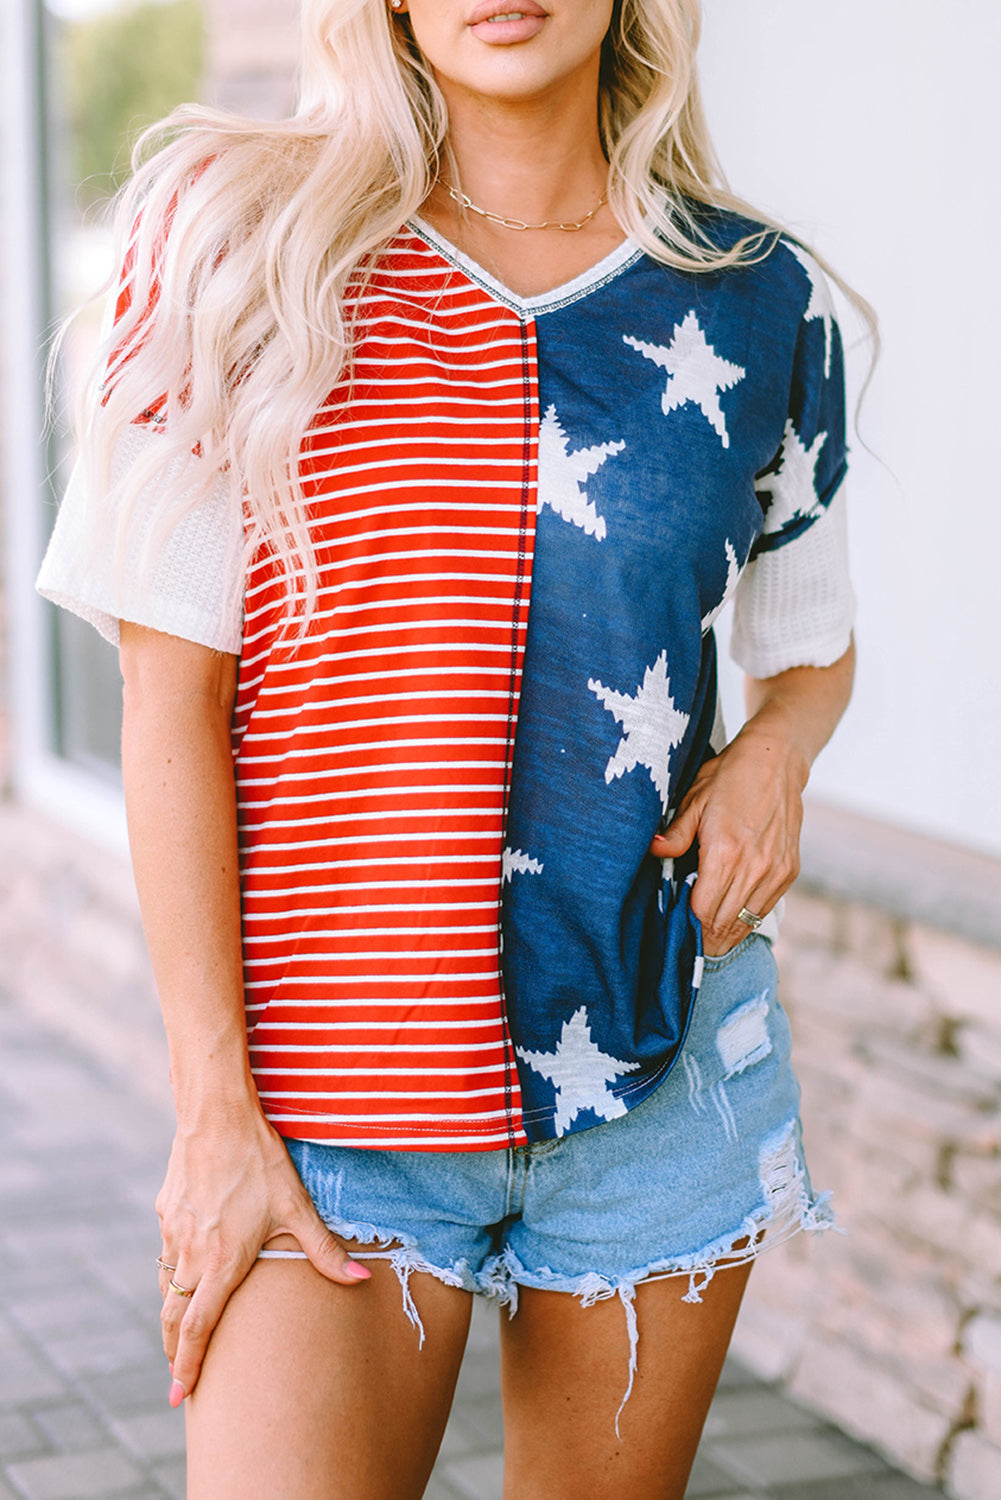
[746, 805]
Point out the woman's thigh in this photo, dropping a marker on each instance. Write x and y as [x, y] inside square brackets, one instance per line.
[564, 1372]
[313, 1391]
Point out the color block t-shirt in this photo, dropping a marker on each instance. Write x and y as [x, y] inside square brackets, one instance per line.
[527, 514]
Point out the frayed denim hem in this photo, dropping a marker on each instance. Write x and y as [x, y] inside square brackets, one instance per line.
[760, 1231]
[402, 1254]
[789, 1208]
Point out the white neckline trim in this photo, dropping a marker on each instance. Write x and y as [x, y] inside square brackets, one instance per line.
[526, 307]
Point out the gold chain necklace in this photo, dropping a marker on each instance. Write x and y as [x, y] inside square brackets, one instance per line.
[465, 202]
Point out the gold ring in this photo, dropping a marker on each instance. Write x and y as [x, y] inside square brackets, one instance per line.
[182, 1291]
[752, 920]
[163, 1265]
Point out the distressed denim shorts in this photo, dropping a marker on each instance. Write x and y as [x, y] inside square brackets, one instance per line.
[704, 1173]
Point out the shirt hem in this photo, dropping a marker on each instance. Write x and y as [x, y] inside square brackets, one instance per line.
[365, 1136]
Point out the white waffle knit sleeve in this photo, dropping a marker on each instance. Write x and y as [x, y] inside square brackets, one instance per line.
[794, 606]
[194, 586]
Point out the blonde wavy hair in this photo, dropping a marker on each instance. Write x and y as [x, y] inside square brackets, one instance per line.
[240, 239]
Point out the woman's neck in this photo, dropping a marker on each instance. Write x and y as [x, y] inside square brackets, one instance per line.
[531, 160]
[535, 162]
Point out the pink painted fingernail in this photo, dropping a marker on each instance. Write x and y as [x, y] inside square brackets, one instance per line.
[360, 1273]
[177, 1393]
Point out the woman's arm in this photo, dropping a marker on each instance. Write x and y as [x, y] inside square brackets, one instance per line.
[746, 804]
[230, 1185]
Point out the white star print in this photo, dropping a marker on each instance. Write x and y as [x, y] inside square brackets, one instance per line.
[793, 485]
[513, 862]
[732, 574]
[695, 372]
[652, 726]
[562, 473]
[580, 1072]
[821, 304]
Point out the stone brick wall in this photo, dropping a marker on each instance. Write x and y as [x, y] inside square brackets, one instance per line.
[894, 1328]
[71, 947]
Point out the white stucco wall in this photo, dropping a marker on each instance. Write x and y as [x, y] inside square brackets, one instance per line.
[871, 127]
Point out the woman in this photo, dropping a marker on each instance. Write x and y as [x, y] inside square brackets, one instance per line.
[511, 399]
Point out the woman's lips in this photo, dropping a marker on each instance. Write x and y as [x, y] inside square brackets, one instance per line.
[502, 25]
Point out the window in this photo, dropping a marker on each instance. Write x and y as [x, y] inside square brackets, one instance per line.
[108, 70]
[78, 78]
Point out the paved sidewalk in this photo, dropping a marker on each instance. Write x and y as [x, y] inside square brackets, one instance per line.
[83, 1410]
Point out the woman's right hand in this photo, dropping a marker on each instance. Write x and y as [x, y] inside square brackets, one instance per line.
[230, 1185]
[229, 1189]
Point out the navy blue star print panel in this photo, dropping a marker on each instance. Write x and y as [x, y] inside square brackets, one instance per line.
[687, 424]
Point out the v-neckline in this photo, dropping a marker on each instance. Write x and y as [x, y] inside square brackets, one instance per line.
[580, 286]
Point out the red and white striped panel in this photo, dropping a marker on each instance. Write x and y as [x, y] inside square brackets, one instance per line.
[373, 761]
